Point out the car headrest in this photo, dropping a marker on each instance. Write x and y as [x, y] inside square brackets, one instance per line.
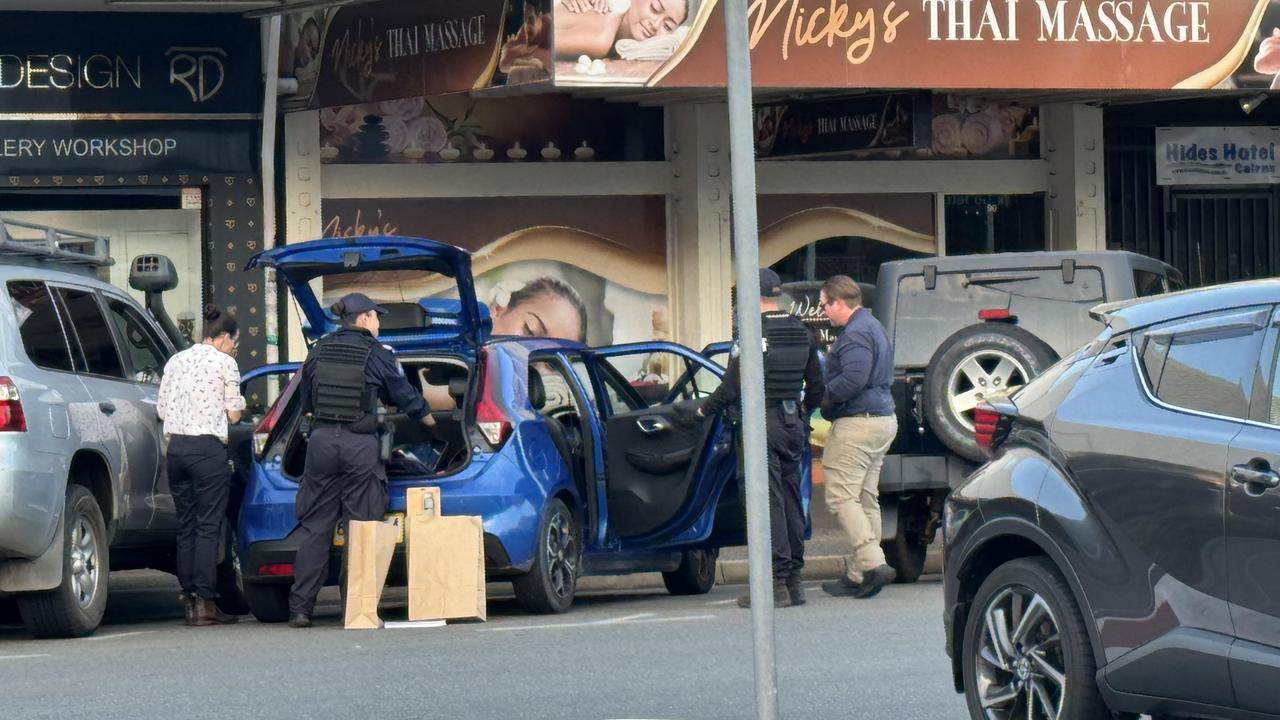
[458, 387]
[438, 397]
[537, 391]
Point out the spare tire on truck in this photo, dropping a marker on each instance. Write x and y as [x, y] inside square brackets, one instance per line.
[971, 365]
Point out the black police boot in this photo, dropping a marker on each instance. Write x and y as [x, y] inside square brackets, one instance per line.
[873, 581]
[299, 620]
[795, 588]
[781, 598]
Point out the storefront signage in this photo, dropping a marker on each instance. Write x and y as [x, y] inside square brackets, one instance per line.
[394, 49]
[1217, 155]
[836, 127]
[954, 44]
[128, 62]
[192, 198]
[98, 147]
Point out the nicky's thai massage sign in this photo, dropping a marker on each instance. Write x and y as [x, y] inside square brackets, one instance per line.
[958, 44]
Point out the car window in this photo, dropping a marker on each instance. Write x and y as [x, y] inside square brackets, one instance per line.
[1146, 283]
[557, 394]
[260, 393]
[1206, 364]
[146, 354]
[39, 325]
[92, 337]
[652, 375]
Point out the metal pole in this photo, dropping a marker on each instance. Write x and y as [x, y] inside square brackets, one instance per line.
[746, 256]
[270, 80]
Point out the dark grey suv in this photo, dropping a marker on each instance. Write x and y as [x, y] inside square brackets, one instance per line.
[1120, 551]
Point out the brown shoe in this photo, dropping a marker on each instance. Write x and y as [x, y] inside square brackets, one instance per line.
[188, 608]
[207, 613]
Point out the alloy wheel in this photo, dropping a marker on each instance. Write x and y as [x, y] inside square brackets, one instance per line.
[561, 554]
[980, 375]
[1020, 667]
[84, 562]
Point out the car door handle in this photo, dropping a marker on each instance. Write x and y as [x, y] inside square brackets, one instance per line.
[107, 408]
[1265, 479]
[651, 426]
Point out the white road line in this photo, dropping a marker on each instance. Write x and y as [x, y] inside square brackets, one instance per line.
[120, 635]
[628, 620]
[588, 623]
[22, 657]
[724, 602]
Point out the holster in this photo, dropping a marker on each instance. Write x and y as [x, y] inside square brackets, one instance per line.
[386, 436]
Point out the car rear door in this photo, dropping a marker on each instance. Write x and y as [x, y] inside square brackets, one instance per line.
[664, 475]
[1253, 539]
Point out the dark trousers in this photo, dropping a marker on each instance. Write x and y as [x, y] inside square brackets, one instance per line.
[344, 480]
[199, 480]
[785, 435]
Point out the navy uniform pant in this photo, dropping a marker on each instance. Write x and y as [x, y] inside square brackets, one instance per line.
[344, 480]
[785, 435]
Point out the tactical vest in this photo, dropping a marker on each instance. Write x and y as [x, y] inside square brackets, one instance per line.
[339, 393]
[786, 355]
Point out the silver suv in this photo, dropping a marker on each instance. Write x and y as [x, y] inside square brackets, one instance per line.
[82, 487]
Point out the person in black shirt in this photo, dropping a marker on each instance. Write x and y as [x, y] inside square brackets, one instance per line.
[790, 362]
[859, 404]
[343, 378]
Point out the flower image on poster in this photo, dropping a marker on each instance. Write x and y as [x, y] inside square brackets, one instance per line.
[973, 127]
[461, 129]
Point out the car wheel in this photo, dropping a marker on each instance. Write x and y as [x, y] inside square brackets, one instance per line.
[550, 584]
[75, 608]
[1026, 652]
[972, 365]
[696, 574]
[230, 586]
[269, 602]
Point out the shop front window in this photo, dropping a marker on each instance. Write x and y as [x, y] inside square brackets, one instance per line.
[979, 224]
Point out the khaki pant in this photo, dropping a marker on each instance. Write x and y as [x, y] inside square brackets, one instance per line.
[851, 461]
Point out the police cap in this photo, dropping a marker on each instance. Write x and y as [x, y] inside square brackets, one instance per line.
[770, 283]
[357, 304]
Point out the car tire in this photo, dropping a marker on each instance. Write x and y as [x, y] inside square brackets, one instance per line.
[977, 361]
[269, 602]
[1011, 669]
[74, 608]
[696, 574]
[550, 584]
[230, 583]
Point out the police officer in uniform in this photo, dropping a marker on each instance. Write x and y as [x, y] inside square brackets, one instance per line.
[345, 375]
[790, 363]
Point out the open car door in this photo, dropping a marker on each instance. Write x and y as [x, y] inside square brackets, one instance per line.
[665, 473]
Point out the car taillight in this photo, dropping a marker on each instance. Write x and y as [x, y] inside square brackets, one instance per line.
[995, 314]
[276, 569]
[493, 422]
[12, 419]
[262, 433]
[990, 426]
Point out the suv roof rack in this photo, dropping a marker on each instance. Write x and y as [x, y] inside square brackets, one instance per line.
[71, 247]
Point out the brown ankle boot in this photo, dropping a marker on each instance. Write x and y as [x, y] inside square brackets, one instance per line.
[188, 608]
[207, 613]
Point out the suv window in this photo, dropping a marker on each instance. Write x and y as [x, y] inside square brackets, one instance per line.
[146, 354]
[1206, 364]
[92, 337]
[39, 325]
[1147, 283]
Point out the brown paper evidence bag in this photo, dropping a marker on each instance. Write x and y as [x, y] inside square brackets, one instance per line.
[445, 562]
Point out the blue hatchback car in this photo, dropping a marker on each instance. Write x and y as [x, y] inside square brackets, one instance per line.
[574, 457]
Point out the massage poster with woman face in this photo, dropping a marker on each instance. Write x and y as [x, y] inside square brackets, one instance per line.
[1014, 44]
[545, 267]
